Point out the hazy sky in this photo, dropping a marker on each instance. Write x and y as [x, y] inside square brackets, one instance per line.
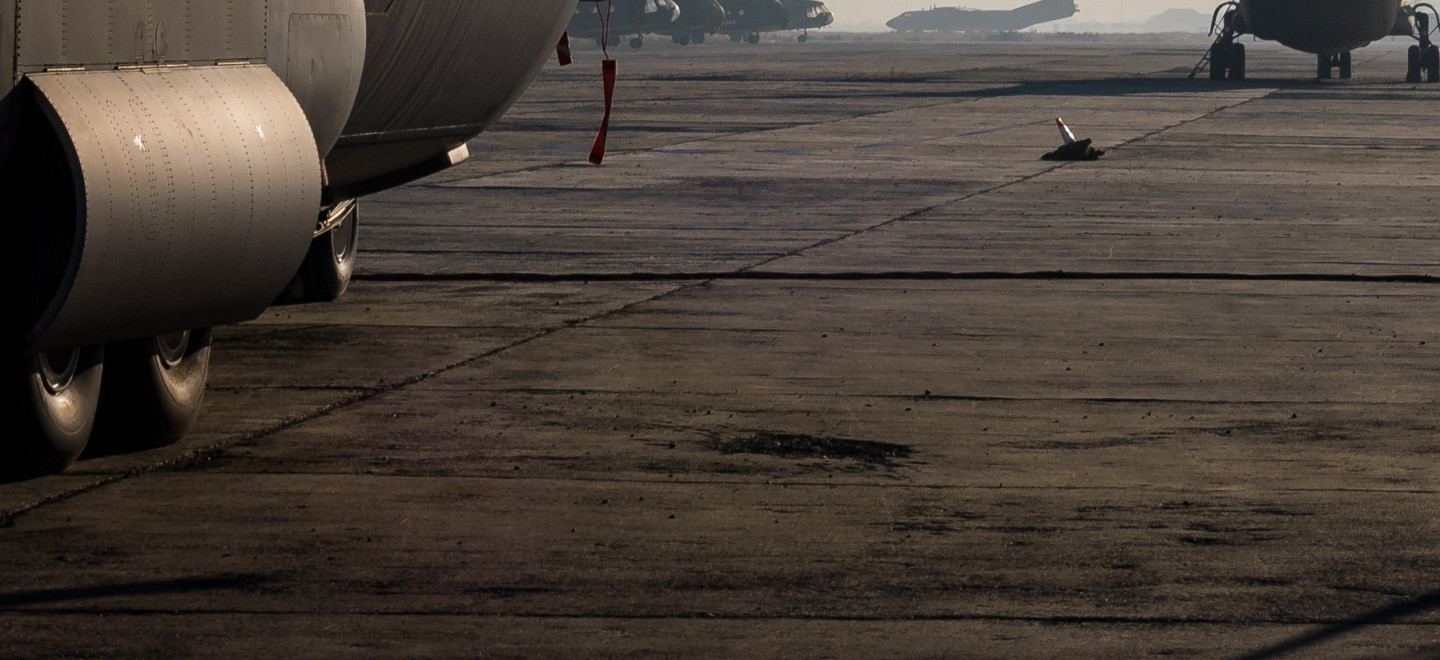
[872, 14]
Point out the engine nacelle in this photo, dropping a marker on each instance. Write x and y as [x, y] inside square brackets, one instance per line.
[318, 48]
[171, 158]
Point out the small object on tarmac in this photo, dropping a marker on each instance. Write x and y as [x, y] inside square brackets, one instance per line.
[1072, 149]
[1065, 133]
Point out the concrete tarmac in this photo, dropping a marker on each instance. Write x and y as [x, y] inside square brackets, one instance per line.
[823, 362]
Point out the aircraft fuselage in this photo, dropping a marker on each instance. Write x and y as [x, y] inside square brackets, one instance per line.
[1322, 27]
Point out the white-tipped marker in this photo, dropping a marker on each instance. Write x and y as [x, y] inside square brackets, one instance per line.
[1065, 131]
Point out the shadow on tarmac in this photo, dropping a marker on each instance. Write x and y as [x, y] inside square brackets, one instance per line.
[149, 587]
[1385, 615]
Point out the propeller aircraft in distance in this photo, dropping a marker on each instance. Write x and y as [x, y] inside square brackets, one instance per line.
[962, 19]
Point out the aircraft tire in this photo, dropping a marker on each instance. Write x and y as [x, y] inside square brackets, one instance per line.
[1324, 67]
[637, 43]
[802, 38]
[681, 39]
[1237, 62]
[1412, 70]
[51, 399]
[1219, 61]
[1432, 64]
[735, 38]
[697, 38]
[154, 389]
[754, 38]
[330, 264]
[1345, 65]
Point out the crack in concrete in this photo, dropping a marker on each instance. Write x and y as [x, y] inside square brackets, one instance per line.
[904, 275]
[199, 455]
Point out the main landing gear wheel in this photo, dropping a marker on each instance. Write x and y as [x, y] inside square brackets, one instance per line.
[1424, 56]
[1226, 58]
[681, 39]
[637, 43]
[1414, 64]
[50, 401]
[1343, 64]
[697, 38]
[1237, 61]
[153, 390]
[735, 38]
[754, 38]
[330, 264]
[802, 38]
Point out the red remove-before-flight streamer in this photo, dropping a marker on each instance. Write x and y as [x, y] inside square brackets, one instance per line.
[607, 73]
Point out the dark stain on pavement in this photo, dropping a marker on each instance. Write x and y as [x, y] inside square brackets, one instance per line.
[800, 445]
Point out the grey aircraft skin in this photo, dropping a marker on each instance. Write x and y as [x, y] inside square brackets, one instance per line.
[185, 169]
[1323, 27]
[960, 19]
[807, 15]
[746, 19]
[697, 19]
[633, 17]
[1329, 29]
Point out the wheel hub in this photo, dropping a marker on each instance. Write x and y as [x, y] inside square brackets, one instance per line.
[58, 369]
[171, 347]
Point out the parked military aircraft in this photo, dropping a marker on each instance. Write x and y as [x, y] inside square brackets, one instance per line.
[1329, 29]
[746, 19]
[805, 15]
[697, 19]
[180, 169]
[961, 19]
[633, 17]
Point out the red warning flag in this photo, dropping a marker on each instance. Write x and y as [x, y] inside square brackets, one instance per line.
[597, 152]
[562, 49]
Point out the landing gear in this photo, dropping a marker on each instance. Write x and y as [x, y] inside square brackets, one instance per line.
[1226, 58]
[802, 38]
[50, 400]
[753, 38]
[637, 43]
[330, 263]
[1425, 56]
[697, 38]
[1325, 65]
[1424, 59]
[681, 39]
[153, 390]
[735, 38]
